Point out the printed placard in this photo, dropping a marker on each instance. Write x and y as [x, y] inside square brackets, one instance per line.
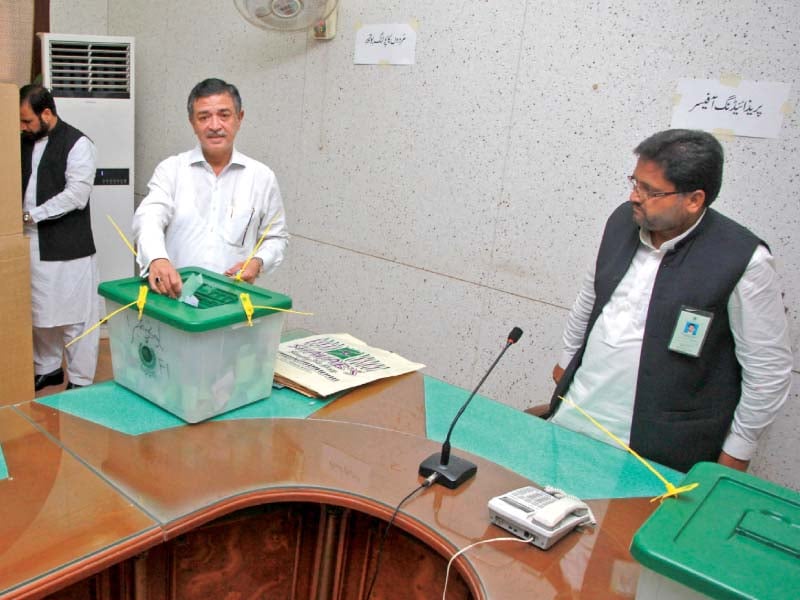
[393, 44]
[746, 108]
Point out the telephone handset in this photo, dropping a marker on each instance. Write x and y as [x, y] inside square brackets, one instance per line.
[541, 516]
[553, 513]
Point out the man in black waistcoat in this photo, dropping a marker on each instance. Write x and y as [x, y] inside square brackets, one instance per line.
[678, 341]
[58, 168]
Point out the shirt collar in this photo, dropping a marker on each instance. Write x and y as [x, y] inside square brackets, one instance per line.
[196, 157]
[644, 236]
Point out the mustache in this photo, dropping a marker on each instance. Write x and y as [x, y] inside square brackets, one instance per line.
[216, 134]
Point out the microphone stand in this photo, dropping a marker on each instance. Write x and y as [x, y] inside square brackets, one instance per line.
[452, 471]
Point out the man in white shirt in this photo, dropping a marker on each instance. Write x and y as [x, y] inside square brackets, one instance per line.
[210, 206]
[58, 169]
[678, 341]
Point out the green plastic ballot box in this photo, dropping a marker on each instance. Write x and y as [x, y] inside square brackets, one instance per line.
[195, 361]
[734, 536]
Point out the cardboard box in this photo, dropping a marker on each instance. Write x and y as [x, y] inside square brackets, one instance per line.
[16, 50]
[16, 337]
[10, 170]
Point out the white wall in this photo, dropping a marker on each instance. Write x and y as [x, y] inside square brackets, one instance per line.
[434, 207]
[79, 16]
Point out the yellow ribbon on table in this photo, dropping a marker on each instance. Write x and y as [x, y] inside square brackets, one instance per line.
[672, 491]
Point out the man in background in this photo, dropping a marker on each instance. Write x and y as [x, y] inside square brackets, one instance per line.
[58, 169]
[210, 206]
[666, 260]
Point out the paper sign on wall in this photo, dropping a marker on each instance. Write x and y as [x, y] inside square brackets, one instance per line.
[746, 108]
[385, 44]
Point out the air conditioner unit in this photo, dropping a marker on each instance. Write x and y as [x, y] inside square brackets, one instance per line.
[91, 79]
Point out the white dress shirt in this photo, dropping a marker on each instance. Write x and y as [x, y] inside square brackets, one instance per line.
[63, 292]
[605, 384]
[196, 218]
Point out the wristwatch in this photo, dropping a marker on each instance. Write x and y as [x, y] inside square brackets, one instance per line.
[26, 217]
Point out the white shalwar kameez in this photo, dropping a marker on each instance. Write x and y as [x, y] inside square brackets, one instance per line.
[64, 298]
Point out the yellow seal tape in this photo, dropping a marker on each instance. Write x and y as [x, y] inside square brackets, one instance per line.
[141, 300]
[122, 235]
[247, 305]
[258, 245]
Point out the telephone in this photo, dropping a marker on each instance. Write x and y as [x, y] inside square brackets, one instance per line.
[541, 516]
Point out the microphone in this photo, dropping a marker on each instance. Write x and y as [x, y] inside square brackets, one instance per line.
[452, 471]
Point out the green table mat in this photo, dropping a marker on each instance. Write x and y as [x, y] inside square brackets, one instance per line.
[536, 449]
[111, 405]
[543, 452]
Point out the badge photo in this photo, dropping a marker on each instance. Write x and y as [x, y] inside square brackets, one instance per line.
[690, 331]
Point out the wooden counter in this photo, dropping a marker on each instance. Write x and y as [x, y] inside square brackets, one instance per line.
[61, 522]
[277, 508]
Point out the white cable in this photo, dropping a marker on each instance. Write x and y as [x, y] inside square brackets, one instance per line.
[465, 548]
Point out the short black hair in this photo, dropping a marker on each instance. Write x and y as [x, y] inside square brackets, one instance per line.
[39, 97]
[691, 159]
[212, 87]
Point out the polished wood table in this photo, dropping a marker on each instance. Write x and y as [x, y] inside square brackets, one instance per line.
[61, 522]
[276, 508]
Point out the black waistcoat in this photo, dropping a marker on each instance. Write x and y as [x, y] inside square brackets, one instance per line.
[684, 405]
[70, 235]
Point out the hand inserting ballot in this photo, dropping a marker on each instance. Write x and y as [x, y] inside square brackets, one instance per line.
[164, 279]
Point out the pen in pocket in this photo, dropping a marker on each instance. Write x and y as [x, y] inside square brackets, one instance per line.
[246, 227]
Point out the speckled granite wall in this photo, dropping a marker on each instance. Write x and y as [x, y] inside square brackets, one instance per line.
[434, 207]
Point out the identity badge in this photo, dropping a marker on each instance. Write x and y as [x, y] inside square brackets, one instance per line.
[690, 331]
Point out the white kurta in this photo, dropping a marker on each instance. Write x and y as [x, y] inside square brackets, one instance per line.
[62, 292]
[196, 218]
[605, 383]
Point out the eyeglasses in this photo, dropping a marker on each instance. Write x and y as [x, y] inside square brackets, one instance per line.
[644, 193]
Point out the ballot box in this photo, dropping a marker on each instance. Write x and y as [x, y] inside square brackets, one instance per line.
[199, 357]
[734, 536]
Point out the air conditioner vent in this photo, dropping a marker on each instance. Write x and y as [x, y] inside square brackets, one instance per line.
[90, 70]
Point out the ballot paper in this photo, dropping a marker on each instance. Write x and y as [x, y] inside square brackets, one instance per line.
[190, 286]
[321, 365]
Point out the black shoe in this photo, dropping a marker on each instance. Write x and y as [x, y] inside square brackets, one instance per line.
[54, 378]
[72, 386]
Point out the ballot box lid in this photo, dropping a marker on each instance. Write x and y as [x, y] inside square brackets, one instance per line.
[219, 301]
[734, 536]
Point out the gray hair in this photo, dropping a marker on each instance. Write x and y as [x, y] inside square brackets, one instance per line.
[212, 87]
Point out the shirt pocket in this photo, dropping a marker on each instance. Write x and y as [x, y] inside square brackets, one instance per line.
[237, 225]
